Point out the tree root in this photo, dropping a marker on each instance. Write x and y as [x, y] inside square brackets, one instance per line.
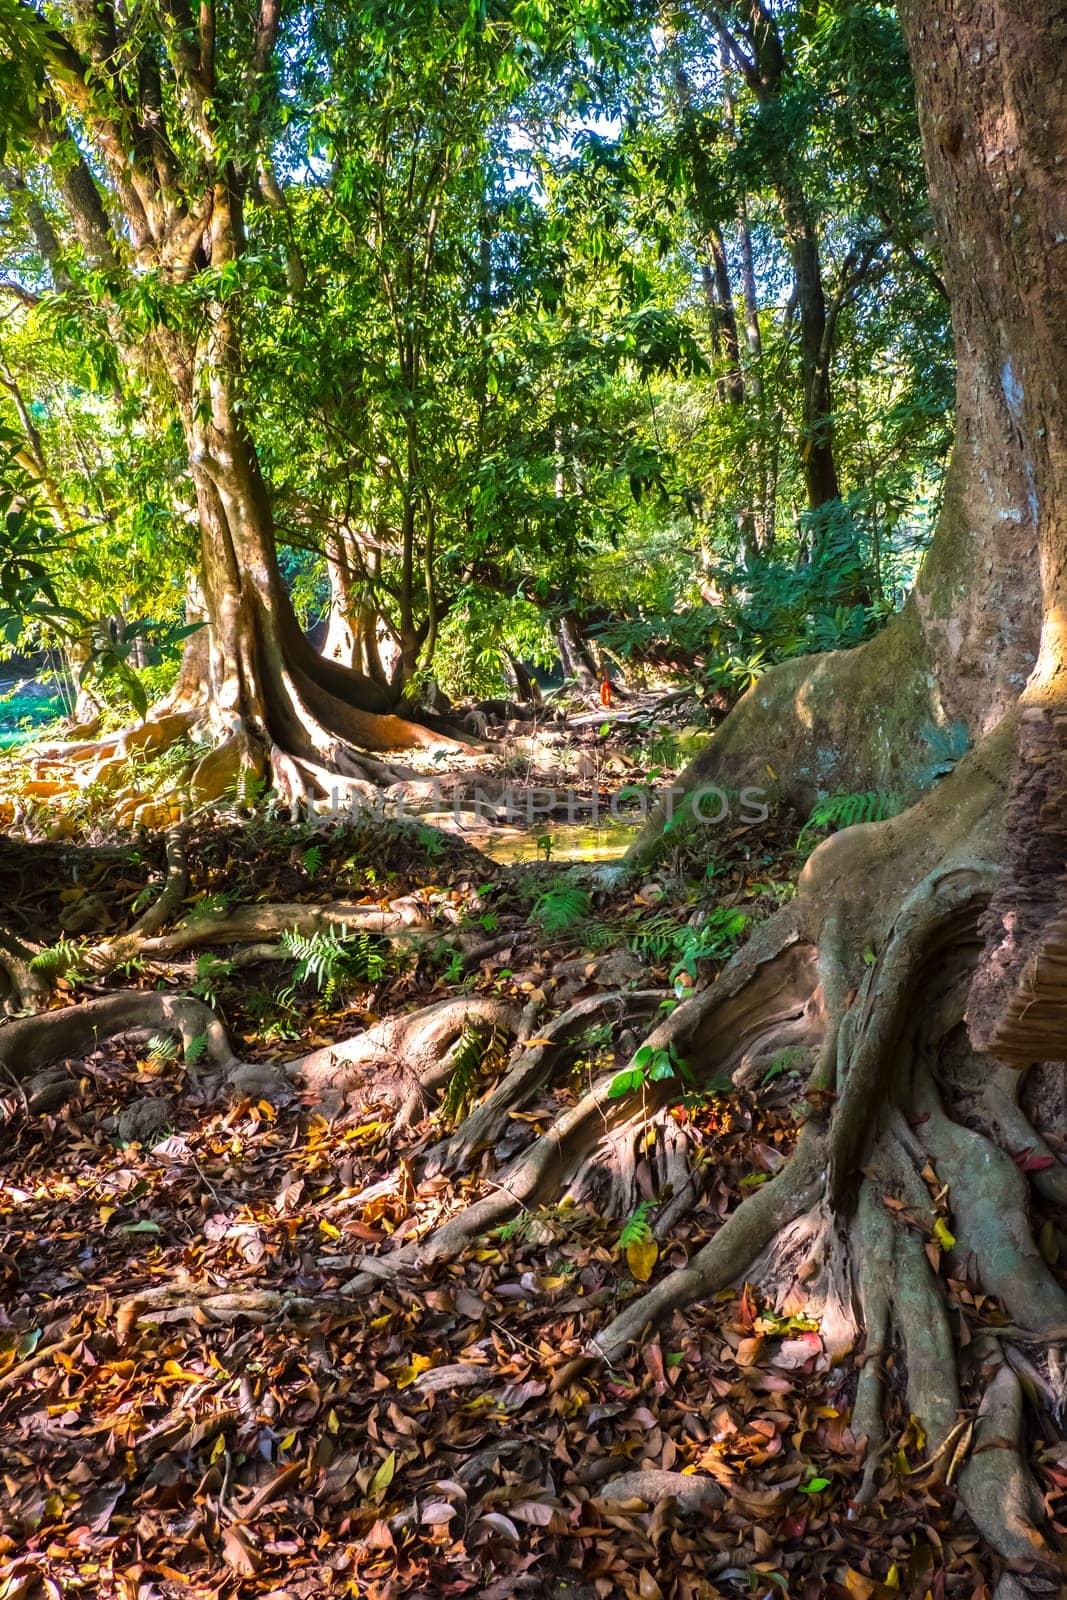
[254, 923]
[690, 1491]
[416, 1047]
[848, 1229]
[530, 1068]
[27, 1043]
[27, 990]
[111, 953]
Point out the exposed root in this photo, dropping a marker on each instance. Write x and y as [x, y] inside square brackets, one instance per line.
[873, 1239]
[112, 952]
[415, 1048]
[531, 1067]
[997, 1489]
[728, 1255]
[689, 1491]
[26, 989]
[190, 1301]
[254, 923]
[27, 1043]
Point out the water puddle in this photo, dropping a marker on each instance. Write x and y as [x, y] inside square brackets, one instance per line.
[561, 841]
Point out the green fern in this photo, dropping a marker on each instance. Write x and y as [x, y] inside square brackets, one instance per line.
[845, 810]
[58, 960]
[469, 1056]
[636, 1229]
[195, 1049]
[662, 939]
[517, 1229]
[162, 1050]
[330, 958]
[560, 907]
[209, 969]
[311, 860]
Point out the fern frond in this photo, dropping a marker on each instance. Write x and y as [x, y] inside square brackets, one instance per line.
[561, 907]
[636, 1229]
[162, 1049]
[846, 810]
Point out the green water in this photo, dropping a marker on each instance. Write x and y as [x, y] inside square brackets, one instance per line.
[571, 841]
[21, 715]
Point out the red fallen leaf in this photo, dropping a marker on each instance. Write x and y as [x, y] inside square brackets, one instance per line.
[747, 1310]
[361, 1231]
[1026, 1160]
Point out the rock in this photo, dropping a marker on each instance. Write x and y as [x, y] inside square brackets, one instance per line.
[258, 1080]
[145, 1121]
[49, 1090]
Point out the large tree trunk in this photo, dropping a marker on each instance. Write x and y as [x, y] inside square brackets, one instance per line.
[903, 1182]
[269, 692]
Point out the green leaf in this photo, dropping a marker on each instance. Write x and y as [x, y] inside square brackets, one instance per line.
[383, 1477]
[627, 1082]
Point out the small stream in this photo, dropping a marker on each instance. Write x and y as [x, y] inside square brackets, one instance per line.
[570, 841]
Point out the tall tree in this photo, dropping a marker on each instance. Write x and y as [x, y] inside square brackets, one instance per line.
[179, 113]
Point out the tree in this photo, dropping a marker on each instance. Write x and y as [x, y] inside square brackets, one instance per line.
[919, 966]
[180, 115]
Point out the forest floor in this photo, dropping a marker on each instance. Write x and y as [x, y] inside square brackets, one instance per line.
[168, 1429]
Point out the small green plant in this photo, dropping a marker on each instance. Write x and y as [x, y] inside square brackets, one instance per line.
[684, 945]
[636, 1229]
[545, 845]
[162, 1050]
[275, 1015]
[60, 960]
[311, 860]
[330, 958]
[517, 1229]
[469, 1056]
[209, 970]
[196, 1049]
[846, 810]
[213, 905]
[785, 1061]
[560, 907]
[650, 1065]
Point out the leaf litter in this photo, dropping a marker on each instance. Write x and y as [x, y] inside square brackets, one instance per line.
[442, 1436]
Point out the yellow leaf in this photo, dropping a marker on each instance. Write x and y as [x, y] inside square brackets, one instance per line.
[106, 1214]
[383, 1477]
[944, 1237]
[288, 1442]
[174, 1370]
[329, 1230]
[407, 1375]
[641, 1258]
[220, 1445]
[333, 1422]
